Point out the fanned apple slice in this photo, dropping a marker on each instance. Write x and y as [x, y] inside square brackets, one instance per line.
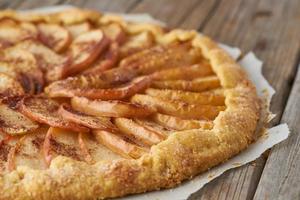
[54, 36]
[196, 85]
[61, 142]
[178, 108]
[30, 152]
[12, 154]
[189, 97]
[135, 43]
[185, 73]
[102, 123]
[9, 86]
[49, 61]
[13, 122]
[114, 32]
[181, 124]
[45, 110]
[84, 50]
[12, 32]
[139, 134]
[22, 66]
[161, 57]
[105, 62]
[78, 29]
[151, 125]
[84, 149]
[77, 87]
[119, 145]
[109, 108]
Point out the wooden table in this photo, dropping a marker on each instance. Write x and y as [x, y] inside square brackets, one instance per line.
[270, 28]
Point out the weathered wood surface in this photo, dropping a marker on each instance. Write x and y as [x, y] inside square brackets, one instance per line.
[270, 29]
[280, 178]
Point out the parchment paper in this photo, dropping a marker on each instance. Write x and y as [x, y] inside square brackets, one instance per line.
[274, 135]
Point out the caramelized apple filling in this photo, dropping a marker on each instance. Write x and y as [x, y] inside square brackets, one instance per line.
[93, 92]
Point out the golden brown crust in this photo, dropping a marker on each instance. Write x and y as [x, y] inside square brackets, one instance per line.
[179, 157]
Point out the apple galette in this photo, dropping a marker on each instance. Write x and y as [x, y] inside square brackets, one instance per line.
[93, 107]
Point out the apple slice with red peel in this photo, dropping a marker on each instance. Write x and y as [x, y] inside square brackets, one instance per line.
[161, 57]
[10, 86]
[114, 32]
[188, 97]
[119, 144]
[136, 43]
[102, 123]
[14, 122]
[84, 149]
[49, 61]
[178, 108]
[109, 108]
[84, 50]
[105, 62]
[139, 134]
[12, 154]
[185, 72]
[94, 88]
[12, 32]
[78, 29]
[61, 142]
[54, 36]
[22, 66]
[195, 85]
[45, 110]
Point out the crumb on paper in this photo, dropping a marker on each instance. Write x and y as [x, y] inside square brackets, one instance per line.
[237, 164]
[211, 175]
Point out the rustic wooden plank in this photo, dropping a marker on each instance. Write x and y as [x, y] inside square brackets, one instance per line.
[280, 178]
[268, 28]
[111, 5]
[7, 4]
[173, 12]
[30, 4]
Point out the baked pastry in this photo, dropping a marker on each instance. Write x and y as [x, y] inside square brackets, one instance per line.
[95, 107]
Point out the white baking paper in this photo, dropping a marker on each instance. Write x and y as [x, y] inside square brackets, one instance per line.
[273, 136]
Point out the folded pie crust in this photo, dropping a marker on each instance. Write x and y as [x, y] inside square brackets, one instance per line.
[183, 155]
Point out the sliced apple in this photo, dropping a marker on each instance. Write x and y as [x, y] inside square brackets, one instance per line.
[12, 32]
[9, 86]
[109, 108]
[94, 88]
[161, 57]
[22, 66]
[181, 124]
[54, 36]
[138, 133]
[114, 32]
[105, 62]
[137, 42]
[89, 121]
[78, 29]
[12, 154]
[13, 122]
[45, 110]
[84, 149]
[196, 85]
[31, 145]
[151, 125]
[178, 108]
[119, 145]
[189, 97]
[49, 61]
[61, 142]
[185, 72]
[84, 50]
